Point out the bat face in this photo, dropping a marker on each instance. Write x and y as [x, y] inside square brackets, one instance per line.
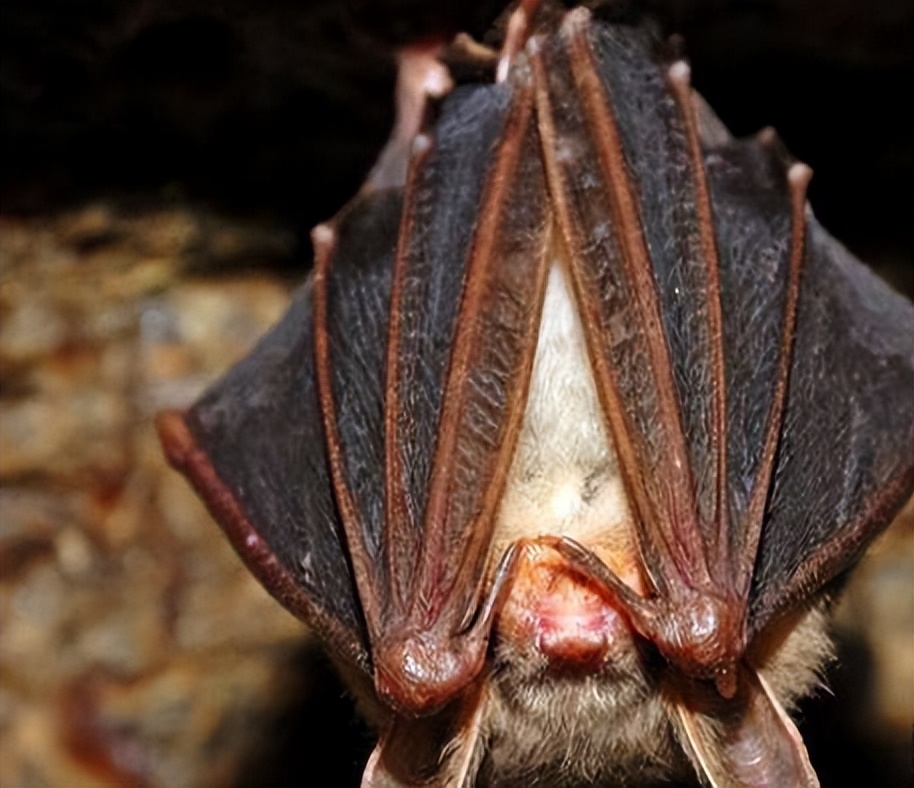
[569, 433]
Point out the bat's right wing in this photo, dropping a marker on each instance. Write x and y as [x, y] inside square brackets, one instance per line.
[253, 446]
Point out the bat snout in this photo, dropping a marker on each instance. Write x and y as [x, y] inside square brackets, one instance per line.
[554, 609]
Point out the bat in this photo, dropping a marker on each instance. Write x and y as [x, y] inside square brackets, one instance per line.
[573, 432]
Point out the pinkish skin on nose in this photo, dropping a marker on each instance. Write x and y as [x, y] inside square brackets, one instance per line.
[562, 613]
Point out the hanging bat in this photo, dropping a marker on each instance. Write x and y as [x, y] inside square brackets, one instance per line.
[572, 433]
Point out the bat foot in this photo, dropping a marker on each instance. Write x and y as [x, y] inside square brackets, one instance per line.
[420, 76]
[515, 36]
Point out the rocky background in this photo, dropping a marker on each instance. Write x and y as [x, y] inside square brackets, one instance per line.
[162, 164]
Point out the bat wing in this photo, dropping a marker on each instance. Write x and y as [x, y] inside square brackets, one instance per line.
[356, 458]
[736, 350]
[422, 409]
[254, 448]
[449, 372]
[363, 445]
[632, 200]
[844, 464]
[734, 344]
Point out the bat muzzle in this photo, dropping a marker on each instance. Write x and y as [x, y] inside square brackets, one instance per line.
[557, 610]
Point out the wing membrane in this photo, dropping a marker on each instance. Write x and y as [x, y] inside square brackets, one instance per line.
[352, 289]
[752, 206]
[427, 426]
[254, 448]
[845, 460]
[444, 197]
[489, 368]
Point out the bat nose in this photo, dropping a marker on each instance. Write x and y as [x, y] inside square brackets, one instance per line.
[555, 609]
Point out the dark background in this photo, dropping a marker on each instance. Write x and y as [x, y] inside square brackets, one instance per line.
[276, 110]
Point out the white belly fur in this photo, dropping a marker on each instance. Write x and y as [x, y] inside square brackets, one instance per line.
[564, 479]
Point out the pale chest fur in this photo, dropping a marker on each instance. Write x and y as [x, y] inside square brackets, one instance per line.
[564, 478]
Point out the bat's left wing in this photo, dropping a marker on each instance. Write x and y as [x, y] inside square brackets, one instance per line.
[357, 458]
[721, 324]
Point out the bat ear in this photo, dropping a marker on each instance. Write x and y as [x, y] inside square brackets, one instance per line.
[747, 740]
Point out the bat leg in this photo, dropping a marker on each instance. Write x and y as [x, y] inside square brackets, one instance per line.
[420, 77]
[748, 740]
[467, 51]
[480, 621]
[672, 627]
[441, 750]
[642, 612]
[515, 36]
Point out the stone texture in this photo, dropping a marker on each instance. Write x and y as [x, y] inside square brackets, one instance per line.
[136, 649]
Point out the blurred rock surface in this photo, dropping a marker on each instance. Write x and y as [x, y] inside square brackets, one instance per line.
[135, 648]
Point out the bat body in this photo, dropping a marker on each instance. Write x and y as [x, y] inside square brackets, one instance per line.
[570, 433]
